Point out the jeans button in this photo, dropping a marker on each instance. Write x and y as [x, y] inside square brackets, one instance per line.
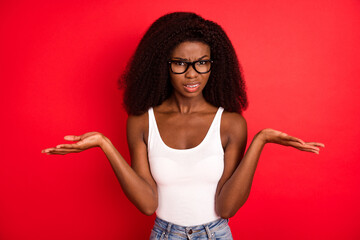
[190, 231]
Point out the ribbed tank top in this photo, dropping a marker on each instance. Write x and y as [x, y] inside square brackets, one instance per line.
[186, 178]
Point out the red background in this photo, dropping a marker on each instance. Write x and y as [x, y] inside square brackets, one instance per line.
[59, 65]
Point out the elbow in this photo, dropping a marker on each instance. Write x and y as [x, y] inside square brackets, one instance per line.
[148, 210]
[228, 211]
[227, 214]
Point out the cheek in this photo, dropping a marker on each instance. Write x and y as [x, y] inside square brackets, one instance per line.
[175, 79]
[206, 77]
[173, 84]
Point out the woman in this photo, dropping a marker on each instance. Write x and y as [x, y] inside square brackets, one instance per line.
[184, 94]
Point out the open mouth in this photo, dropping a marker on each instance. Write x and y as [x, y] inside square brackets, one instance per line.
[192, 87]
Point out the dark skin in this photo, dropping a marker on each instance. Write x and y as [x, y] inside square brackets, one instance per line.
[183, 121]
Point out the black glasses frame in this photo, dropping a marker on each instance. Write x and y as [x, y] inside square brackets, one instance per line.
[190, 64]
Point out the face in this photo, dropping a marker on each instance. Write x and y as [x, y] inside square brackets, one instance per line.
[190, 83]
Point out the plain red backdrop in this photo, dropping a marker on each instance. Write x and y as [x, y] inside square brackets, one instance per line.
[59, 65]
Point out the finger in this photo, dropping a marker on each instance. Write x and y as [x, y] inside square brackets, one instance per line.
[316, 144]
[316, 152]
[62, 151]
[304, 147]
[68, 146]
[309, 150]
[311, 146]
[72, 138]
[46, 150]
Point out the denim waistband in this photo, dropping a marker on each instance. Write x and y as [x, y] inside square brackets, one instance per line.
[190, 231]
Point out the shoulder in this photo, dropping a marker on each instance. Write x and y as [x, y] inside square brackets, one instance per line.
[137, 120]
[232, 121]
[234, 127]
[137, 126]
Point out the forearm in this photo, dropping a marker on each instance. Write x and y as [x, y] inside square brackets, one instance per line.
[137, 190]
[236, 190]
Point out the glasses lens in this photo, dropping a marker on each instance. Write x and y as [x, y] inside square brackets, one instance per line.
[181, 67]
[203, 66]
[178, 67]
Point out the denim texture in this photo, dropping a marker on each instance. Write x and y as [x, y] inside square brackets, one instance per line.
[164, 230]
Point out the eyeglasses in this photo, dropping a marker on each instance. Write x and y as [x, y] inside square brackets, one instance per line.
[200, 66]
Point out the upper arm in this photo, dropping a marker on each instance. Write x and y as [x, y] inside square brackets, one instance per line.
[137, 130]
[234, 132]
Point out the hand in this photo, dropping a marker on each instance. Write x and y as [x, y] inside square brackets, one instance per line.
[273, 136]
[85, 141]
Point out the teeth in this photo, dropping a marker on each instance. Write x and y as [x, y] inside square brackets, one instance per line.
[192, 86]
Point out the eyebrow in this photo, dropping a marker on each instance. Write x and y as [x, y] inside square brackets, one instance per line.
[184, 59]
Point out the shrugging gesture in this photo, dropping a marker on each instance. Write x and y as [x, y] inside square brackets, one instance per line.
[185, 70]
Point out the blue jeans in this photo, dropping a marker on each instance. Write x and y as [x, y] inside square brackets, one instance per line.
[218, 229]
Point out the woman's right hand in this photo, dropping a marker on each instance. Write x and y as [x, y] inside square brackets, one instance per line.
[83, 142]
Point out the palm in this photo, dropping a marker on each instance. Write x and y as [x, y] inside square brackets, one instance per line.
[274, 136]
[83, 142]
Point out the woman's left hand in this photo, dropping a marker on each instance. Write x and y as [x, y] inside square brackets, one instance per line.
[269, 135]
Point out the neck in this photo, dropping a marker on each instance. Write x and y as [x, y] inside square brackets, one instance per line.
[187, 105]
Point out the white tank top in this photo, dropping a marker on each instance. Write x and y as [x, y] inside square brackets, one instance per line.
[186, 178]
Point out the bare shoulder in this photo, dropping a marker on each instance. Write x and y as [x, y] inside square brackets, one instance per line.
[137, 126]
[233, 128]
[138, 120]
[233, 122]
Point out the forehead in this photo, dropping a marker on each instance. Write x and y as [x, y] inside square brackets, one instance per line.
[191, 50]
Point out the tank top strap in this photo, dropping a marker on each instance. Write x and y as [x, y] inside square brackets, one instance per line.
[151, 114]
[217, 119]
[213, 136]
[215, 125]
[152, 136]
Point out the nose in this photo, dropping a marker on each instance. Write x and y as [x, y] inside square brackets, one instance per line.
[191, 73]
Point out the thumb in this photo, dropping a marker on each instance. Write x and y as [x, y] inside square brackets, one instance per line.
[72, 138]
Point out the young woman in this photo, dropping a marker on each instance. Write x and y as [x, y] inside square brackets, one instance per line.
[184, 93]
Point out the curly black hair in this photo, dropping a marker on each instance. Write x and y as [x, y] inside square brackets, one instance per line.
[147, 80]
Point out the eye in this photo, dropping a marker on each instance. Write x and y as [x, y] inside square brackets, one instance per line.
[201, 62]
[180, 63]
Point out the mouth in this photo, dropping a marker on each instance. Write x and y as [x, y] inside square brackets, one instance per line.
[192, 87]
